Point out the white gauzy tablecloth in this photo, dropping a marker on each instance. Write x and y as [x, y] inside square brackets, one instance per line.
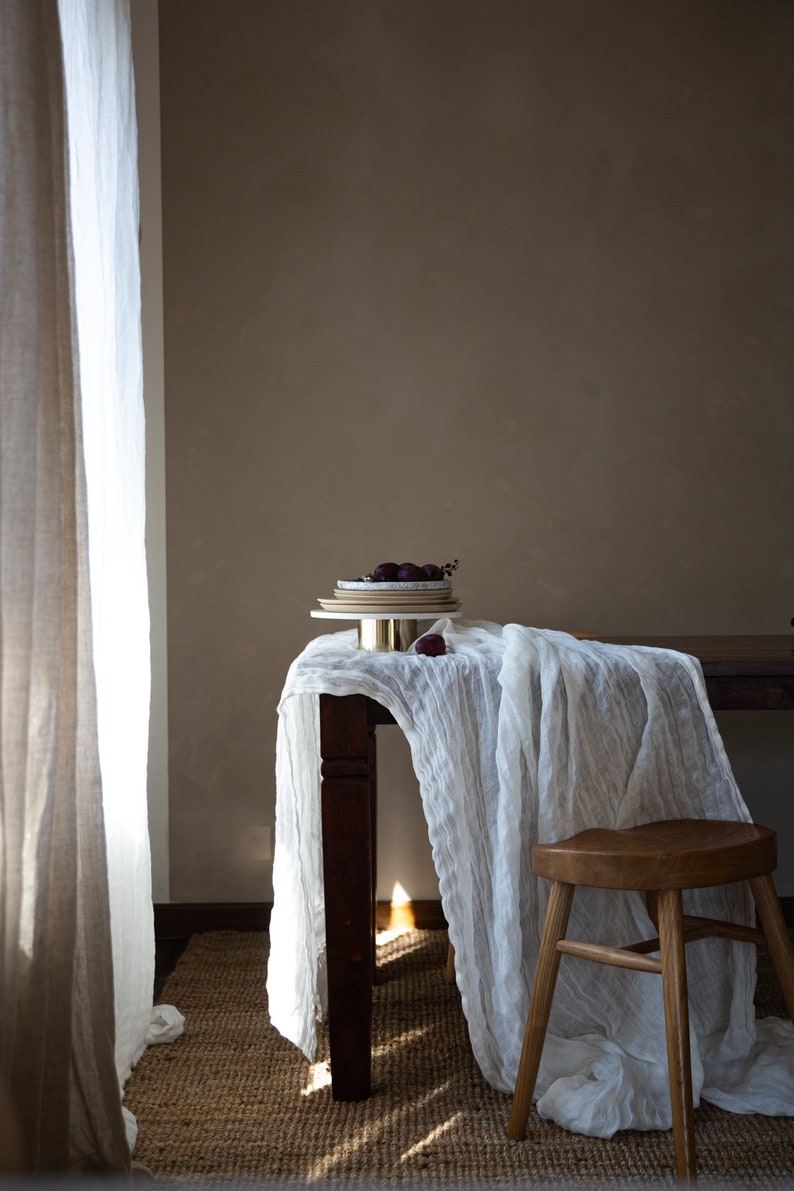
[521, 735]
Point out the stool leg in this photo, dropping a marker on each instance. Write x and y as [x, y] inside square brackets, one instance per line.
[676, 1020]
[776, 935]
[449, 971]
[557, 914]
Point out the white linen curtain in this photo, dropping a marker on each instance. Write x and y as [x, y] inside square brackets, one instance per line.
[76, 948]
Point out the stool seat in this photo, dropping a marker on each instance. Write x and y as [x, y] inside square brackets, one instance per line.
[671, 854]
[659, 859]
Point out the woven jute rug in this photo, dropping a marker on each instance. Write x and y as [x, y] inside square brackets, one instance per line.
[231, 1100]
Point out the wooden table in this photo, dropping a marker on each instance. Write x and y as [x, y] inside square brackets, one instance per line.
[741, 673]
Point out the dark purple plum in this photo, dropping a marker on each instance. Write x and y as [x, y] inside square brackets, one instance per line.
[386, 572]
[432, 572]
[409, 572]
[432, 645]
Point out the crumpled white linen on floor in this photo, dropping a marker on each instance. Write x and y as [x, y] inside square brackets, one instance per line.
[520, 735]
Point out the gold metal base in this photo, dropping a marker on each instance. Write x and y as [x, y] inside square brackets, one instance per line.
[386, 636]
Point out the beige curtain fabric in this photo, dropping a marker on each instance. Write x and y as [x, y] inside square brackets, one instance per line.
[56, 983]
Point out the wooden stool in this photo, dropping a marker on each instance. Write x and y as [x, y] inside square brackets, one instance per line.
[659, 859]
[449, 970]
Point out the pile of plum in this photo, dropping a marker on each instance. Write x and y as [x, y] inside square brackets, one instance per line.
[409, 572]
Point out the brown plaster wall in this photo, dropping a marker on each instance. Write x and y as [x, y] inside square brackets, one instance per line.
[503, 281]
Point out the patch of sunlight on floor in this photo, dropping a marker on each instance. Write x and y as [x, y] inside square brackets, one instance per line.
[432, 1136]
[405, 1036]
[369, 1135]
[319, 1077]
[387, 936]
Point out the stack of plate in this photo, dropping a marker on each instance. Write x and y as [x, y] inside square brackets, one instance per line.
[362, 598]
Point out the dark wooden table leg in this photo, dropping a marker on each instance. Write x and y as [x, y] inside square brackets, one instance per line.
[348, 803]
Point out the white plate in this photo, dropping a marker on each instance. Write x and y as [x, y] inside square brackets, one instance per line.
[418, 614]
[392, 597]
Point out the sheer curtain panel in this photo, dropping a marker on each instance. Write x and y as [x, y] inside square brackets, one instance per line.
[104, 212]
[66, 398]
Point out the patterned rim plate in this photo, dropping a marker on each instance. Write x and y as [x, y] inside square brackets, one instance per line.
[363, 585]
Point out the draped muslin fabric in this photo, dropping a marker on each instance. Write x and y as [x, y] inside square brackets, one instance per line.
[77, 933]
[104, 217]
[520, 735]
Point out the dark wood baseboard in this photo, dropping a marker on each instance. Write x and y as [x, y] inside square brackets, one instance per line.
[177, 920]
[424, 915]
